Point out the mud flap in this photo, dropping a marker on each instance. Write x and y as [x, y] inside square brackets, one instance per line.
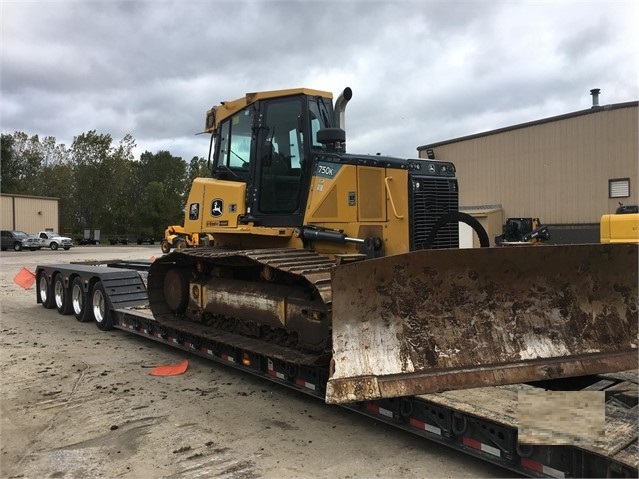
[438, 320]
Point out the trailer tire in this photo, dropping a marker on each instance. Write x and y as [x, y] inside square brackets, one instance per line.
[44, 291]
[61, 296]
[100, 308]
[53, 246]
[165, 246]
[79, 301]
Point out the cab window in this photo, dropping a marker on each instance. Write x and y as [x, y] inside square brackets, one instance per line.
[235, 141]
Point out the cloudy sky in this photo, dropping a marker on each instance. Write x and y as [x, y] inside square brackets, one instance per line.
[421, 71]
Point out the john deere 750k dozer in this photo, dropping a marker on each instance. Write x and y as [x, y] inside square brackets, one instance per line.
[324, 256]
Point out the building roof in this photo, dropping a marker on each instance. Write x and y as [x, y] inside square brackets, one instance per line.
[15, 195]
[589, 111]
[480, 210]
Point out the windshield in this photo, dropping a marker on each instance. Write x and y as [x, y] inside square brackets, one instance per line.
[20, 234]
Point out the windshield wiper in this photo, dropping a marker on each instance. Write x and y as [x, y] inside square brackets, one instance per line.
[324, 112]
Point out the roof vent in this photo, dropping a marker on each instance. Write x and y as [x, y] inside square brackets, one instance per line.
[595, 97]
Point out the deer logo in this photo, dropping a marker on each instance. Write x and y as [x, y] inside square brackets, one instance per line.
[217, 207]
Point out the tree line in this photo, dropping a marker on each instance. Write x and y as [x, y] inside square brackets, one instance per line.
[99, 183]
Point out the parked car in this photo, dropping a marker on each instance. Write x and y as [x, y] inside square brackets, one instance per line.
[54, 241]
[12, 239]
[84, 241]
[146, 239]
[113, 240]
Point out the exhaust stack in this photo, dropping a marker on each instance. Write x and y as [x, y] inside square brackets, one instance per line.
[340, 107]
[595, 97]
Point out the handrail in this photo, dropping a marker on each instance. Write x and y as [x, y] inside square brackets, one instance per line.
[390, 197]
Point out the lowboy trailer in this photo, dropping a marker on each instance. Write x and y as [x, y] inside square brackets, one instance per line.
[482, 422]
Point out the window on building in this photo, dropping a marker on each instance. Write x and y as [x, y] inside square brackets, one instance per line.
[619, 188]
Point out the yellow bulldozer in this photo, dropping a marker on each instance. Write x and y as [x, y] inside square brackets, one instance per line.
[318, 256]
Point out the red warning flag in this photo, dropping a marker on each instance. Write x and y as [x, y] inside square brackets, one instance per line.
[170, 369]
[24, 278]
[152, 258]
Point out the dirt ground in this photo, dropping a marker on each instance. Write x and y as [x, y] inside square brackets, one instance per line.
[76, 402]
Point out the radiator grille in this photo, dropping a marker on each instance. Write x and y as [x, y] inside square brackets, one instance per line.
[431, 198]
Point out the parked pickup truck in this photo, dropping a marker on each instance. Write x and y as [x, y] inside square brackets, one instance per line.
[54, 240]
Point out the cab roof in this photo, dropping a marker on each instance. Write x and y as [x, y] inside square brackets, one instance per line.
[228, 108]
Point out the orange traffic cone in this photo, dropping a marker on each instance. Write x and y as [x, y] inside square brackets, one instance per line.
[170, 369]
[24, 278]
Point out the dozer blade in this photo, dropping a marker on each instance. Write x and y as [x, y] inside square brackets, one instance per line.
[438, 320]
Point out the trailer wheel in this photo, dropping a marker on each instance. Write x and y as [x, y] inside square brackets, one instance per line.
[61, 296]
[79, 302]
[44, 292]
[100, 308]
[165, 246]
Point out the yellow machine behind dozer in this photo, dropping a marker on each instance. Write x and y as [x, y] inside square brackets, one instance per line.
[325, 257]
[522, 231]
[621, 227]
[177, 237]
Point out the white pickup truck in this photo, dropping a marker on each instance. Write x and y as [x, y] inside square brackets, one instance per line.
[54, 241]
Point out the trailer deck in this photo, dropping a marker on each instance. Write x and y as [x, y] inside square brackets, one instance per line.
[481, 422]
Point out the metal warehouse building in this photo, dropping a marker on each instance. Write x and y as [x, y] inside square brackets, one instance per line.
[567, 170]
[29, 213]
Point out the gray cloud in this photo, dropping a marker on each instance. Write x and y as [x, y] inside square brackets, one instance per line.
[420, 71]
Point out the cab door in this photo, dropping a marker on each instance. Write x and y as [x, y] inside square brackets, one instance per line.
[283, 164]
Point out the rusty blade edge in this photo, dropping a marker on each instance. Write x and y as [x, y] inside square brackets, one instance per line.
[341, 391]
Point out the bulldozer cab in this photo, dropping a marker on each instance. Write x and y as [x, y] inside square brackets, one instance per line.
[266, 144]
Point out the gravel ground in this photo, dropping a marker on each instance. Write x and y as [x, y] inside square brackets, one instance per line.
[77, 402]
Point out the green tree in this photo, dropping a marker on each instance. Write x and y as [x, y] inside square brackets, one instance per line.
[9, 165]
[100, 183]
[118, 166]
[56, 181]
[21, 163]
[198, 168]
[161, 179]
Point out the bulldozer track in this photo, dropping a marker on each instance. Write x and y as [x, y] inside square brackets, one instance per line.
[303, 269]
[313, 267]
